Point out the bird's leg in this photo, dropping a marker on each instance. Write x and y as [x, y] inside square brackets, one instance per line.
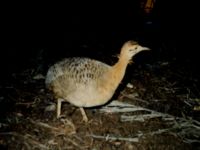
[85, 118]
[59, 101]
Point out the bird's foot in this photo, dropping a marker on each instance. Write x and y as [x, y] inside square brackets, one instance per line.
[85, 118]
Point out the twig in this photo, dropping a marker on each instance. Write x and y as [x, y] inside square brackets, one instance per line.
[189, 141]
[113, 138]
[142, 118]
[41, 124]
[135, 139]
[29, 103]
[187, 103]
[26, 138]
[3, 125]
[73, 143]
[180, 126]
[70, 123]
[117, 106]
[130, 96]
[58, 131]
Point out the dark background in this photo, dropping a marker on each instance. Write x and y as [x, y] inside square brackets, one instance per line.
[45, 33]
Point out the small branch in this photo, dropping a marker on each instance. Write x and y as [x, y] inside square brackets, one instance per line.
[70, 123]
[132, 97]
[117, 106]
[26, 139]
[73, 143]
[113, 138]
[41, 124]
[141, 118]
[3, 125]
[135, 139]
[68, 128]
[188, 129]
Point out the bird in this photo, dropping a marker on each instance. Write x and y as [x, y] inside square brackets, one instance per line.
[86, 82]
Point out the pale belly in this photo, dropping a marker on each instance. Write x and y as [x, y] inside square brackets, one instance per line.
[88, 97]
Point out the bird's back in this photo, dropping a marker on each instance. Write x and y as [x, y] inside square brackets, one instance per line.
[76, 80]
[79, 70]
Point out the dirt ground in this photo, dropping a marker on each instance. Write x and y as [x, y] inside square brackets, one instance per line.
[166, 92]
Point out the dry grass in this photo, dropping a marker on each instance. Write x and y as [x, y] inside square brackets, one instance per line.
[159, 111]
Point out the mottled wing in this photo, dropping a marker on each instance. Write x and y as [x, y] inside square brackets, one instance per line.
[76, 70]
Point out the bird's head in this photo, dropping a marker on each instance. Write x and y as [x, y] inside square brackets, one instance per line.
[131, 48]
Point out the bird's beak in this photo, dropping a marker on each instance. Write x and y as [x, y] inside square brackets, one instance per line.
[145, 48]
[141, 48]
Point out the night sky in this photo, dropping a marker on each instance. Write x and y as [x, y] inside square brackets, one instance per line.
[90, 29]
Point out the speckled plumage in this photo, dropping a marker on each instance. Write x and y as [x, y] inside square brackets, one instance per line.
[81, 70]
[85, 82]
[76, 80]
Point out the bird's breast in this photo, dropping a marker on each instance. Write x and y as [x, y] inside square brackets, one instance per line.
[88, 96]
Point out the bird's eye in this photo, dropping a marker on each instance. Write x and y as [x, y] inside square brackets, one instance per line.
[136, 48]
